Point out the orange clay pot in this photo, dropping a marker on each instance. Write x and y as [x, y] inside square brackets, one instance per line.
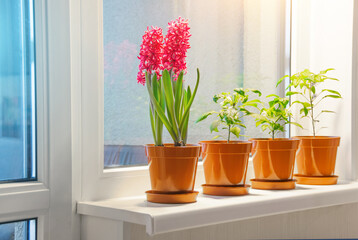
[274, 159]
[316, 156]
[225, 163]
[172, 169]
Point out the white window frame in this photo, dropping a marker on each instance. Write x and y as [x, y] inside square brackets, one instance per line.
[97, 182]
[354, 94]
[52, 198]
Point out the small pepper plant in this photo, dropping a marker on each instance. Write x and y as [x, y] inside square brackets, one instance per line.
[274, 117]
[307, 82]
[234, 106]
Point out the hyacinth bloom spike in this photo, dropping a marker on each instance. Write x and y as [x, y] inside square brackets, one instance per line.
[151, 53]
[176, 44]
[162, 61]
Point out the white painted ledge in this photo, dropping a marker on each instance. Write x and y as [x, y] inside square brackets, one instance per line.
[160, 218]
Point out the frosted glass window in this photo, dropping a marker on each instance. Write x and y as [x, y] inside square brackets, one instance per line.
[234, 43]
[19, 230]
[17, 91]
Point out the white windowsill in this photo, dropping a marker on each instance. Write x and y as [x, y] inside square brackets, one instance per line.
[160, 218]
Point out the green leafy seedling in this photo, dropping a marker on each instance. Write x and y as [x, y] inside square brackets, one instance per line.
[274, 117]
[233, 108]
[305, 84]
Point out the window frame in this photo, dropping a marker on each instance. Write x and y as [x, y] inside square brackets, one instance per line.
[354, 93]
[32, 196]
[52, 198]
[98, 182]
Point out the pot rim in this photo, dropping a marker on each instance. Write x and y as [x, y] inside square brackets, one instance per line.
[316, 137]
[171, 145]
[274, 140]
[221, 142]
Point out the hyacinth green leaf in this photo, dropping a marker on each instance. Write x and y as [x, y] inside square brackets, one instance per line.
[158, 109]
[236, 131]
[169, 99]
[188, 95]
[152, 124]
[159, 123]
[184, 131]
[154, 83]
[156, 123]
[178, 96]
[190, 102]
[204, 116]
[214, 126]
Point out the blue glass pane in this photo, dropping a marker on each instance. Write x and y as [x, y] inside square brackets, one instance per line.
[19, 230]
[17, 91]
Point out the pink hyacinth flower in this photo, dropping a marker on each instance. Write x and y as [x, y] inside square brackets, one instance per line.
[151, 53]
[176, 44]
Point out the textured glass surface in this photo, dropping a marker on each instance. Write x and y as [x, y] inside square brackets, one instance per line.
[234, 43]
[17, 91]
[20, 230]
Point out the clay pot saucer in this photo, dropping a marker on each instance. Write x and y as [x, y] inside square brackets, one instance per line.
[171, 197]
[273, 185]
[316, 180]
[226, 190]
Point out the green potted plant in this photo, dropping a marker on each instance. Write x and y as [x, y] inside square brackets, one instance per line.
[316, 156]
[274, 157]
[172, 167]
[225, 162]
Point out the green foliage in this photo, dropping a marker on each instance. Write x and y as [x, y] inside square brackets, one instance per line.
[233, 108]
[170, 105]
[305, 83]
[274, 117]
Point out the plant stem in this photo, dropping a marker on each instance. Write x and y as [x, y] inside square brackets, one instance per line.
[228, 138]
[273, 134]
[312, 116]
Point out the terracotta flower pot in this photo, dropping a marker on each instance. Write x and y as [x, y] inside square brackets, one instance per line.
[274, 162]
[316, 156]
[172, 169]
[225, 163]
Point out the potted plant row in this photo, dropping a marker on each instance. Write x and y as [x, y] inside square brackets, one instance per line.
[173, 166]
